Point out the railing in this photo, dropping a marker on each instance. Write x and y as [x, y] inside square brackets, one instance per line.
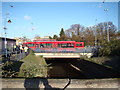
[57, 50]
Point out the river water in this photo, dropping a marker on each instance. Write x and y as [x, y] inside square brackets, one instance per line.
[63, 68]
[77, 68]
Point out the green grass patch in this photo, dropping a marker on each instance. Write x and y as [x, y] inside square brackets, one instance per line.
[109, 62]
[33, 66]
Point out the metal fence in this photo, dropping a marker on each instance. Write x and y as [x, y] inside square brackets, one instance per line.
[56, 50]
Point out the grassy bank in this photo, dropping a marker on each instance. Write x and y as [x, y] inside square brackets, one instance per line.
[33, 66]
[30, 66]
[110, 62]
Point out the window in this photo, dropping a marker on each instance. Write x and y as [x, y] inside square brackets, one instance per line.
[41, 46]
[46, 45]
[70, 45]
[30, 45]
[78, 45]
[62, 45]
[66, 45]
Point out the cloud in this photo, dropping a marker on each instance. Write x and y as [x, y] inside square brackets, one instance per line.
[27, 17]
[100, 6]
[34, 28]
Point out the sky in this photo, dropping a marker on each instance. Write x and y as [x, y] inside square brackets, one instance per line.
[47, 18]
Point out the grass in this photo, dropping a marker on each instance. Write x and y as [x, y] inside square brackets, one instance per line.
[33, 66]
[30, 66]
[99, 60]
[110, 62]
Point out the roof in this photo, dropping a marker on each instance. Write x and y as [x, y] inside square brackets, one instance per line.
[8, 38]
[52, 42]
[41, 40]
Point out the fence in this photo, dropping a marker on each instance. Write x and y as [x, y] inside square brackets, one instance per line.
[57, 50]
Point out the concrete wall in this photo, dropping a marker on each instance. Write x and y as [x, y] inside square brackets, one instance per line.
[113, 84]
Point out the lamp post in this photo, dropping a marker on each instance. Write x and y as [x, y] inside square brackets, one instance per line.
[108, 38]
[5, 31]
[109, 32]
[5, 34]
[95, 33]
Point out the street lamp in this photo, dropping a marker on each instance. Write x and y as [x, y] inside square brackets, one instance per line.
[5, 28]
[108, 38]
[109, 32]
[5, 41]
[9, 21]
[95, 33]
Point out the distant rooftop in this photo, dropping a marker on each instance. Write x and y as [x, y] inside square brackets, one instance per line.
[7, 38]
[39, 40]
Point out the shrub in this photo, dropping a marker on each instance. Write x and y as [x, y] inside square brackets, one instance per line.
[11, 69]
[33, 66]
[110, 48]
[34, 70]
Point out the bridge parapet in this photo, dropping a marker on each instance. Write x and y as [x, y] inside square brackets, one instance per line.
[65, 50]
[64, 55]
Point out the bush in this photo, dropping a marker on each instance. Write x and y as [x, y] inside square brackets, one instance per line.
[33, 66]
[35, 70]
[111, 48]
[11, 69]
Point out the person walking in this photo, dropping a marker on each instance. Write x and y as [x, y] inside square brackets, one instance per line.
[21, 48]
[26, 50]
[14, 48]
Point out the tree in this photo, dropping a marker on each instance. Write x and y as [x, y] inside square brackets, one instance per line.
[62, 33]
[55, 37]
[101, 31]
[88, 36]
[75, 32]
[76, 28]
[50, 37]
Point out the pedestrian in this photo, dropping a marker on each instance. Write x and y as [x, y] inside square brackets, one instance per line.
[18, 49]
[14, 48]
[21, 48]
[26, 50]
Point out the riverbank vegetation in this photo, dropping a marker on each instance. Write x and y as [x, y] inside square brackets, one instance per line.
[30, 66]
[33, 66]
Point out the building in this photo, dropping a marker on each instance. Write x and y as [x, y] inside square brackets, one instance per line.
[20, 40]
[9, 43]
[46, 37]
